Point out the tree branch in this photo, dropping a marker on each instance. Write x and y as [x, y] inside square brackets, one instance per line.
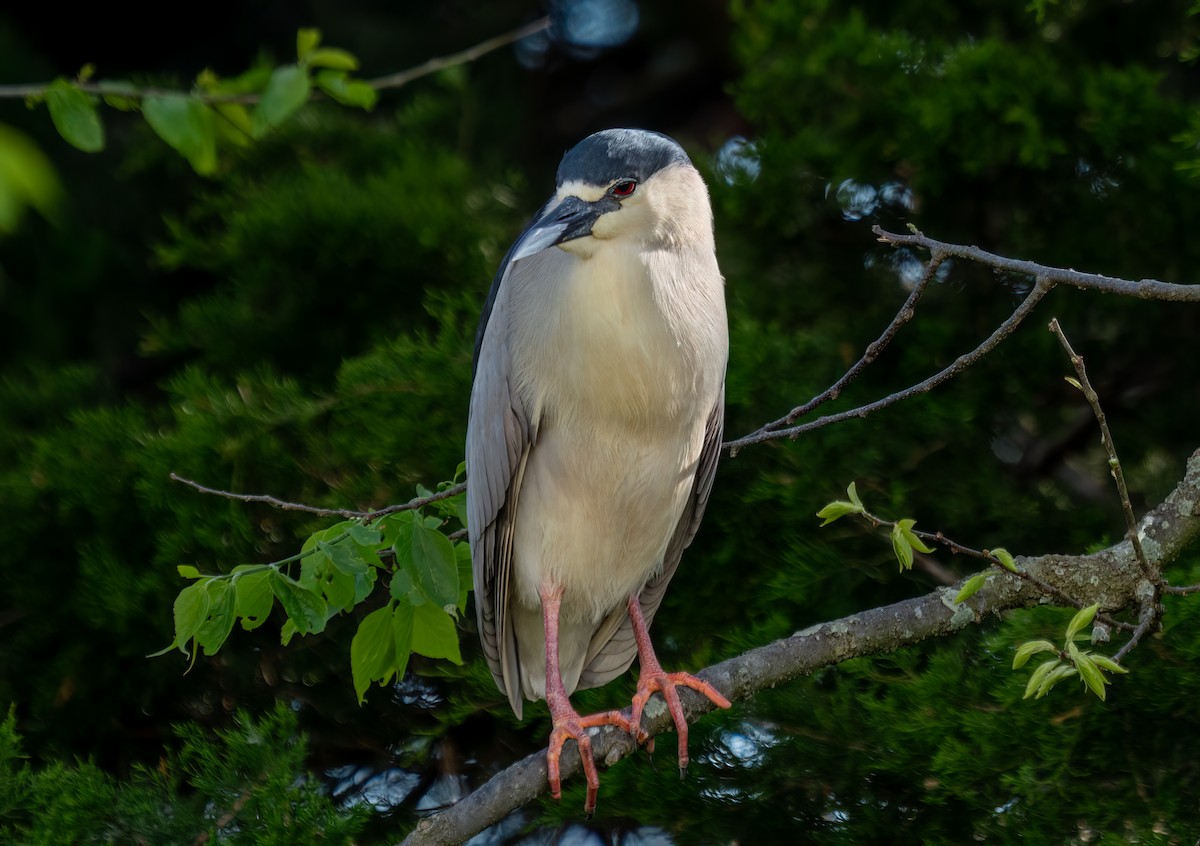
[393, 80]
[1112, 577]
[1046, 278]
[418, 502]
[958, 366]
[1144, 289]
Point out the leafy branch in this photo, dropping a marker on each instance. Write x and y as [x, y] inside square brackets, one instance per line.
[427, 574]
[215, 111]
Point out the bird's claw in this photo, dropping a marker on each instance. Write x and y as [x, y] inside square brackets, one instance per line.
[573, 726]
[665, 683]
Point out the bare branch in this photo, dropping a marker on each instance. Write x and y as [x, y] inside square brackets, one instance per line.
[390, 81]
[904, 315]
[1145, 289]
[958, 366]
[398, 80]
[1111, 577]
[418, 502]
[272, 501]
[1046, 278]
[1114, 462]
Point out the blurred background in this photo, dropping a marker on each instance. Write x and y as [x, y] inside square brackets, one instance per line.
[300, 323]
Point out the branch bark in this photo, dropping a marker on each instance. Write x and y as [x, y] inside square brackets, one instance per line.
[1112, 577]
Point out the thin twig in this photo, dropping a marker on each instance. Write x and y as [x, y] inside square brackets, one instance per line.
[1040, 289]
[390, 81]
[272, 501]
[1151, 608]
[1145, 289]
[1147, 619]
[397, 80]
[904, 315]
[1114, 462]
[985, 555]
[418, 502]
[1182, 590]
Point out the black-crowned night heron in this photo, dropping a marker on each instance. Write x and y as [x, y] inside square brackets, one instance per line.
[595, 426]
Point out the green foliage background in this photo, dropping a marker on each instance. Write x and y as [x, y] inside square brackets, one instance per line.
[301, 324]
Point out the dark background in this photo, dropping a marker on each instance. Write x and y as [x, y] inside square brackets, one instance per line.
[300, 324]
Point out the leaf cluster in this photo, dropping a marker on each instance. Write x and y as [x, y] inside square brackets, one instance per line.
[217, 112]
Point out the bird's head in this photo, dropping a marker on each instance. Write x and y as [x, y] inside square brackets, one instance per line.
[624, 188]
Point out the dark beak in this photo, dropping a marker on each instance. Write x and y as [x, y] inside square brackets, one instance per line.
[571, 219]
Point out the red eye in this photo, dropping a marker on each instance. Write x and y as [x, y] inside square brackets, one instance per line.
[624, 188]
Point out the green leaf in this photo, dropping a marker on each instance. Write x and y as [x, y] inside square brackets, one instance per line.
[75, 115]
[286, 91]
[1091, 675]
[1064, 671]
[344, 556]
[1027, 650]
[122, 96]
[190, 611]
[460, 508]
[435, 567]
[1005, 558]
[1106, 663]
[348, 92]
[1082, 619]
[222, 611]
[235, 125]
[186, 124]
[391, 527]
[364, 535]
[373, 651]
[188, 571]
[26, 179]
[902, 547]
[434, 634]
[972, 586]
[286, 632]
[852, 495]
[1073, 382]
[307, 41]
[1038, 677]
[462, 552]
[339, 589]
[836, 510]
[333, 58]
[404, 589]
[304, 608]
[402, 635]
[906, 528]
[254, 598]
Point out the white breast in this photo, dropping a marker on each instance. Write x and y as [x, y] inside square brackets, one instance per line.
[621, 374]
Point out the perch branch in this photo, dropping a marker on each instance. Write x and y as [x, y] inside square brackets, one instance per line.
[1112, 577]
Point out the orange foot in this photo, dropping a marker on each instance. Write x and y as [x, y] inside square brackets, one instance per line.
[568, 724]
[654, 680]
[657, 681]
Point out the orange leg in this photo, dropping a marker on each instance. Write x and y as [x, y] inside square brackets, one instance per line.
[567, 722]
[653, 679]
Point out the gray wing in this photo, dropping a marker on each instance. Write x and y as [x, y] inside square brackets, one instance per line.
[613, 647]
[499, 437]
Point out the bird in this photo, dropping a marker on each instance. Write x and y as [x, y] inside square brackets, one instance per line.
[594, 429]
